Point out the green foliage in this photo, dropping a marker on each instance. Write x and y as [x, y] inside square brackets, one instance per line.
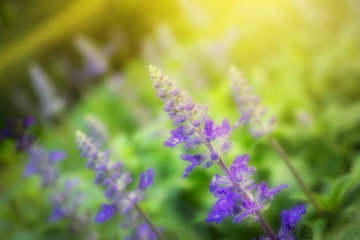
[301, 57]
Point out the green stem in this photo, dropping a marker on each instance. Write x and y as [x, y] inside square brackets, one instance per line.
[297, 176]
[145, 217]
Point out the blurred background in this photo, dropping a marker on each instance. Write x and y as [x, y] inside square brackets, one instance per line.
[63, 62]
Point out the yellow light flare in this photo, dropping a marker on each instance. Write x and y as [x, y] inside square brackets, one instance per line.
[69, 21]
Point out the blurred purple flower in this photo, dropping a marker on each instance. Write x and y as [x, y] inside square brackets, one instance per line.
[51, 104]
[289, 219]
[106, 212]
[263, 195]
[225, 206]
[41, 163]
[66, 201]
[110, 176]
[249, 106]
[195, 160]
[194, 127]
[142, 232]
[17, 129]
[57, 213]
[223, 187]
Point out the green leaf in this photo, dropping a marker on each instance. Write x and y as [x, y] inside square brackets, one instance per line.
[318, 229]
[352, 234]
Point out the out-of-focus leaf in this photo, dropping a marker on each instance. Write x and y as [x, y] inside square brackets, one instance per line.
[318, 229]
[341, 187]
[352, 235]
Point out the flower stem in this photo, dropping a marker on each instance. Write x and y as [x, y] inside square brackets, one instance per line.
[145, 217]
[297, 176]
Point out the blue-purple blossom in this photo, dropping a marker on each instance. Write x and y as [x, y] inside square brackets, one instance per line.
[42, 164]
[235, 186]
[289, 219]
[142, 232]
[106, 212]
[146, 179]
[115, 181]
[193, 126]
[235, 191]
[264, 195]
[249, 106]
[66, 202]
[57, 213]
[66, 199]
[240, 172]
[95, 59]
[51, 104]
[95, 128]
[28, 122]
[195, 160]
[225, 206]
[247, 208]
[17, 129]
[56, 156]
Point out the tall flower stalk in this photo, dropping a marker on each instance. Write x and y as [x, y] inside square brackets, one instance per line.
[65, 199]
[109, 175]
[249, 107]
[238, 195]
[51, 104]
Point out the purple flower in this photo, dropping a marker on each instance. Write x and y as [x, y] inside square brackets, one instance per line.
[95, 59]
[66, 202]
[114, 181]
[289, 219]
[144, 232]
[41, 163]
[249, 106]
[195, 160]
[225, 206]
[234, 190]
[212, 132]
[24, 142]
[263, 195]
[17, 129]
[214, 156]
[223, 187]
[247, 208]
[194, 127]
[208, 128]
[56, 156]
[179, 135]
[28, 122]
[96, 128]
[106, 212]
[66, 199]
[220, 186]
[240, 171]
[146, 179]
[57, 213]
